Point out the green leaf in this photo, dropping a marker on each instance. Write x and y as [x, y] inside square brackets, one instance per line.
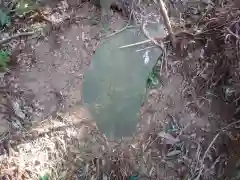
[4, 18]
[4, 58]
[152, 80]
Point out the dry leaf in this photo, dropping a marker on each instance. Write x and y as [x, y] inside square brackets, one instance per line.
[171, 140]
[173, 153]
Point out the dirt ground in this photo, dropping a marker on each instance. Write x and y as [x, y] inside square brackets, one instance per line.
[49, 73]
[45, 82]
[180, 128]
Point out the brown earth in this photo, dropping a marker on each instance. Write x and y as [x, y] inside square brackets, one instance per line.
[49, 73]
[54, 81]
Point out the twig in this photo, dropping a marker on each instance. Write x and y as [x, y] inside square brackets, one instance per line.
[136, 44]
[205, 155]
[166, 20]
[232, 33]
[3, 41]
[149, 47]
[118, 31]
[210, 145]
[157, 38]
[146, 33]
[160, 45]
[127, 25]
[167, 23]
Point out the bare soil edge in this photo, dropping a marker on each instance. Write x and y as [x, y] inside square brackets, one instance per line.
[194, 148]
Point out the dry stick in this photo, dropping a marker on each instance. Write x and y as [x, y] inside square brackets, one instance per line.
[118, 31]
[166, 20]
[146, 33]
[127, 26]
[3, 41]
[157, 38]
[135, 44]
[143, 49]
[205, 155]
[160, 45]
[167, 23]
[232, 33]
[210, 145]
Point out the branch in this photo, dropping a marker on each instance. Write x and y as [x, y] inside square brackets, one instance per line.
[3, 41]
[146, 33]
[118, 31]
[156, 38]
[136, 44]
[166, 20]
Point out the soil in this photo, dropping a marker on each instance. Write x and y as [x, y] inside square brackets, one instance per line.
[49, 73]
[48, 78]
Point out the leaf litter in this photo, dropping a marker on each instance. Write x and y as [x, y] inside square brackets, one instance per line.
[189, 127]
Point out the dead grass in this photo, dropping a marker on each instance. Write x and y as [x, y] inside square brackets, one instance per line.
[189, 128]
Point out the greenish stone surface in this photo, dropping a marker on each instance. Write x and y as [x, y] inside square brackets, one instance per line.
[115, 83]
